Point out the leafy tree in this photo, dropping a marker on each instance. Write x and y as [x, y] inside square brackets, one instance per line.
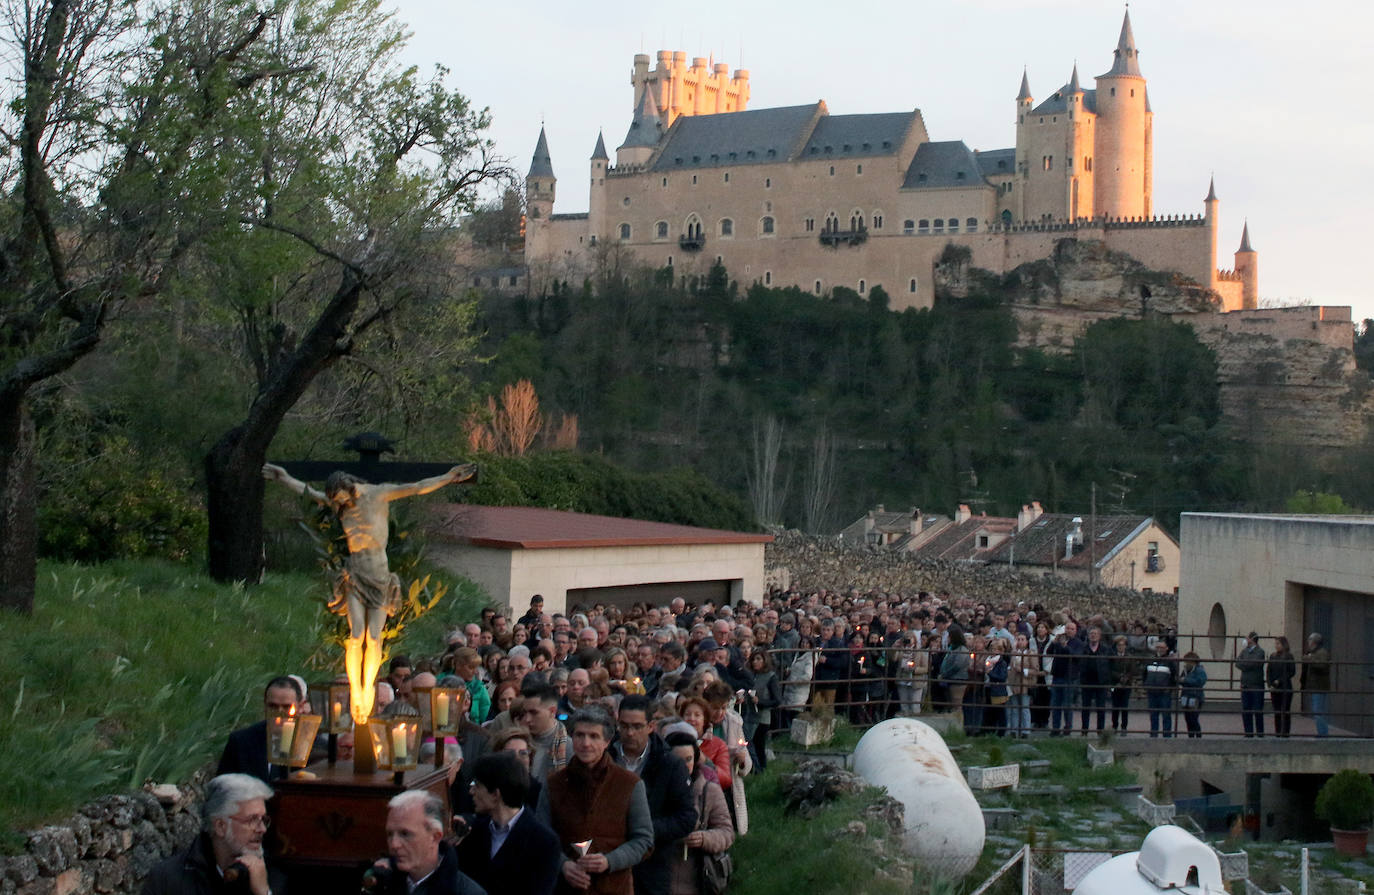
[1319, 502]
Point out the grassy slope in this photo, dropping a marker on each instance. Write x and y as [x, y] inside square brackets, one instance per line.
[137, 670]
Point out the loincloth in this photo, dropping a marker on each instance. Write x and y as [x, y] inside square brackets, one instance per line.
[373, 591]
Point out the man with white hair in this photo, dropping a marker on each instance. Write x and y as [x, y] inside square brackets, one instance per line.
[227, 855]
[420, 861]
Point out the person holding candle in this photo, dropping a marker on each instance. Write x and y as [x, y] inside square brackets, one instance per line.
[713, 832]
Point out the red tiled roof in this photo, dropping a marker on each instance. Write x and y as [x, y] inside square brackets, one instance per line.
[957, 541]
[536, 528]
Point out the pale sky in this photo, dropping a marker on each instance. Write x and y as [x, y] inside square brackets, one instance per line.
[1273, 97]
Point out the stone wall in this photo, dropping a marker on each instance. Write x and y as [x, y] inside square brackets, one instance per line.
[809, 563]
[108, 846]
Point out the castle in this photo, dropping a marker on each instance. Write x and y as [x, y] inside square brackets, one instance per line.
[795, 196]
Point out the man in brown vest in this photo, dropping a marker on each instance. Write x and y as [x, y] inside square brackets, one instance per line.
[600, 811]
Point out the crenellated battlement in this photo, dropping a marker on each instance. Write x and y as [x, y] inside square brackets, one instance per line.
[1102, 223]
[1230, 276]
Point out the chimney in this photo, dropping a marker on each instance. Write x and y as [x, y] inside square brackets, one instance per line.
[915, 526]
[964, 514]
[1028, 514]
[1073, 539]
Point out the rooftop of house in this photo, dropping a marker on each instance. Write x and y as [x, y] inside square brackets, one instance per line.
[1042, 542]
[536, 528]
[959, 540]
[941, 165]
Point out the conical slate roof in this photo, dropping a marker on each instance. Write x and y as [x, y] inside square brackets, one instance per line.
[1025, 86]
[646, 129]
[541, 165]
[600, 151]
[1245, 239]
[1073, 80]
[1211, 190]
[1126, 62]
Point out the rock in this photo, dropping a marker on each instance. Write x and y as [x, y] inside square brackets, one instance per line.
[143, 858]
[167, 794]
[814, 783]
[20, 869]
[69, 881]
[54, 848]
[80, 825]
[41, 886]
[809, 730]
[856, 828]
[109, 875]
[944, 827]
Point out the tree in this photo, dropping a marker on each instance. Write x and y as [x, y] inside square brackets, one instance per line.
[120, 121]
[355, 165]
[819, 487]
[767, 483]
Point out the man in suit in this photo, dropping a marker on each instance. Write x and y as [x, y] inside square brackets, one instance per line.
[420, 862]
[639, 749]
[508, 850]
[246, 750]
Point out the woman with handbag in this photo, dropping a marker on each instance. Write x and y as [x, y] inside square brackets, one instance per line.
[701, 862]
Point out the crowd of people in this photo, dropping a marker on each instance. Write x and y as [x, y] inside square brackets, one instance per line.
[607, 750]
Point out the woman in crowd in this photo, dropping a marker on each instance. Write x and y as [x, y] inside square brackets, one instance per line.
[713, 833]
[1040, 688]
[1191, 692]
[954, 669]
[913, 670]
[997, 670]
[623, 678]
[506, 693]
[759, 703]
[1123, 677]
[1025, 669]
[697, 712]
[796, 693]
[1279, 675]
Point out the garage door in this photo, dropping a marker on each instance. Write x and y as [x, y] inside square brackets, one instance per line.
[656, 594]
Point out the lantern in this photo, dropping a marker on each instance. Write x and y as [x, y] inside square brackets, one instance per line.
[396, 738]
[289, 738]
[446, 710]
[336, 707]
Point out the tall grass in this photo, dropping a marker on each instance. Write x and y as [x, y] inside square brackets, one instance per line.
[138, 670]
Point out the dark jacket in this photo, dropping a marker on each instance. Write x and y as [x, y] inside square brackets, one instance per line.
[836, 665]
[1250, 664]
[1095, 668]
[446, 879]
[1067, 667]
[673, 812]
[246, 752]
[1281, 669]
[528, 862]
[193, 872]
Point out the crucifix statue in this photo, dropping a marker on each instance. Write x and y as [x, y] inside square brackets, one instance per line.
[366, 590]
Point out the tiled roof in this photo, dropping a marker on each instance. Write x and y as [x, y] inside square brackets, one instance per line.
[848, 136]
[1042, 542]
[646, 128]
[752, 137]
[542, 164]
[535, 528]
[1058, 103]
[959, 541]
[948, 163]
[996, 162]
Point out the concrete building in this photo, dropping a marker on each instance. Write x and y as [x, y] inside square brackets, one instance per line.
[796, 196]
[1292, 575]
[572, 558]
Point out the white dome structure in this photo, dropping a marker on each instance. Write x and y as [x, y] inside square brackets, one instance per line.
[944, 824]
[1169, 858]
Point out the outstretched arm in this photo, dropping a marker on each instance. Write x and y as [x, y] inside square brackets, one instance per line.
[464, 473]
[274, 473]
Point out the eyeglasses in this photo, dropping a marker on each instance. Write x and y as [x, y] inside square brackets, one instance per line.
[253, 821]
[632, 728]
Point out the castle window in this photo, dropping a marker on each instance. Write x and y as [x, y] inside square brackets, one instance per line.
[670, 260]
[911, 286]
[939, 225]
[767, 226]
[923, 225]
[1042, 117]
[867, 146]
[749, 154]
[858, 169]
[971, 225]
[810, 225]
[772, 153]
[1002, 165]
[720, 259]
[817, 290]
[768, 183]
[1132, 91]
[665, 181]
[828, 150]
[1006, 218]
[591, 240]
[1113, 91]
[953, 225]
[727, 176]
[536, 186]
[861, 287]
[694, 180]
[815, 149]
[832, 222]
[727, 227]
[768, 278]
[696, 159]
[921, 178]
[908, 226]
[856, 220]
[625, 201]
[832, 170]
[847, 147]
[877, 221]
[512, 280]
[661, 230]
[733, 156]
[887, 144]
[676, 161]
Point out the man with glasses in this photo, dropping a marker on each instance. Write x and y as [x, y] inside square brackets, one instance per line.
[639, 749]
[227, 855]
[539, 713]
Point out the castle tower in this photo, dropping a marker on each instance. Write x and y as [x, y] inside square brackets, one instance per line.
[1247, 265]
[706, 88]
[1024, 102]
[646, 129]
[596, 204]
[540, 184]
[1079, 149]
[1123, 153]
[1212, 207]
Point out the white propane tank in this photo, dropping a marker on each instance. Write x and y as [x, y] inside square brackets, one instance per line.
[944, 825]
[1170, 858]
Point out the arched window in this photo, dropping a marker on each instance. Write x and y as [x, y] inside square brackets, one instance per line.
[727, 227]
[817, 290]
[939, 225]
[693, 228]
[908, 226]
[911, 286]
[766, 226]
[661, 230]
[1006, 217]
[810, 225]
[832, 222]
[856, 219]
[624, 231]
[971, 225]
[953, 225]
[862, 287]
[923, 226]
[877, 220]
[768, 278]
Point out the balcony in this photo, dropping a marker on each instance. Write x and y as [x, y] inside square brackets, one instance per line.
[835, 238]
[1154, 563]
[691, 243]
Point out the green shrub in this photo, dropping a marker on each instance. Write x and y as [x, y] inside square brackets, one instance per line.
[1346, 801]
[112, 503]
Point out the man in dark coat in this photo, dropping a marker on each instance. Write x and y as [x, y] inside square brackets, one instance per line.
[1094, 678]
[246, 750]
[226, 858]
[641, 750]
[420, 862]
[508, 849]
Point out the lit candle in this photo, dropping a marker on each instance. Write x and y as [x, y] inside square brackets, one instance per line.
[398, 743]
[288, 736]
[441, 711]
[338, 710]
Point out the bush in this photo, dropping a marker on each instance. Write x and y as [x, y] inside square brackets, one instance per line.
[113, 503]
[1346, 801]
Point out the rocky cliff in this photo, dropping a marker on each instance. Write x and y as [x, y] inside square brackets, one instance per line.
[1287, 375]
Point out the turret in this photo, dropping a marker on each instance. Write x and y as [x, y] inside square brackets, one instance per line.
[1212, 206]
[646, 129]
[1122, 149]
[1081, 149]
[1247, 266]
[540, 184]
[596, 205]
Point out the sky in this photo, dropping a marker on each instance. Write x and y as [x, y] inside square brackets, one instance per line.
[1273, 98]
